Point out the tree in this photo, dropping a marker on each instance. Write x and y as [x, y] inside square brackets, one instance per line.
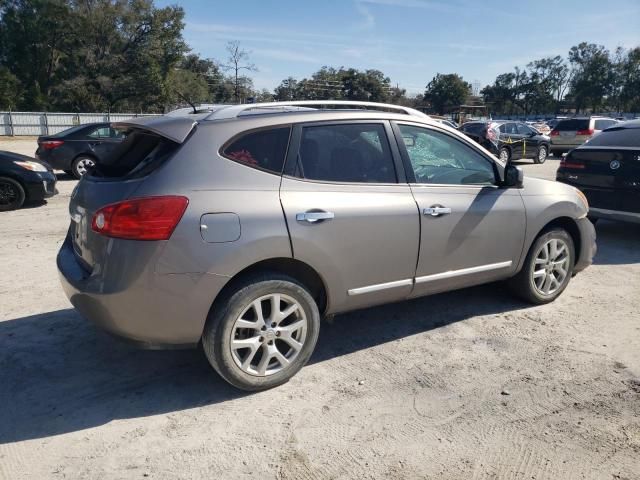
[237, 62]
[593, 76]
[445, 91]
[287, 90]
[10, 89]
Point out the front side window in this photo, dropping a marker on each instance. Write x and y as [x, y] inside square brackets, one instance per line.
[438, 158]
[101, 132]
[524, 129]
[346, 153]
[262, 149]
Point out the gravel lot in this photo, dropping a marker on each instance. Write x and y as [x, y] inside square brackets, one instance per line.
[468, 384]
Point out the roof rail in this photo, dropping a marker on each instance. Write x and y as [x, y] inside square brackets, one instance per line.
[234, 111]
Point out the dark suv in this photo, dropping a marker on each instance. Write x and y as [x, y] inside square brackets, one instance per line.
[509, 140]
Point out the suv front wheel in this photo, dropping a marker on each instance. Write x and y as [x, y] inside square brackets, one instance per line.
[262, 332]
[547, 268]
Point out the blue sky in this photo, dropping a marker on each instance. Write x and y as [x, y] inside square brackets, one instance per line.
[409, 40]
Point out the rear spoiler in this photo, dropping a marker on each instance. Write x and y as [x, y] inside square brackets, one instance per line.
[176, 129]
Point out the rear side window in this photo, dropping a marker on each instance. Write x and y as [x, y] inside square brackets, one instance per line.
[572, 124]
[264, 149]
[602, 124]
[353, 153]
[618, 137]
[100, 132]
[476, 128]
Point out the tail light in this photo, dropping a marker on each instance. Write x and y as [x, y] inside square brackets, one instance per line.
[554, 133]
[50, 144]
[588, 131]
[568, 162]
[150, 218]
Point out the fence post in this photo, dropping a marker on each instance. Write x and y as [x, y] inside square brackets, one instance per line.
[10, 123]
[46, 124]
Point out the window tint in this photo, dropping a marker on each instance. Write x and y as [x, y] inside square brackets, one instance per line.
[102, 132]
[572, 124]
[523, 129]
[503, 128]
[440, 159]
[476, 128]
[346, 153]
[619, 137]
[263, 149]
[602, 124]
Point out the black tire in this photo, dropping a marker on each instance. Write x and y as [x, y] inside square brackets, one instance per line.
[556, 153]
[12, 194]
[69, 172]
[78, 167]
[216, 338]
[522, 284]
[541, 152]
[506, 152]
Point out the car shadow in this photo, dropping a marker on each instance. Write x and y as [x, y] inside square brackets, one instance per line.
[618, 243]
[64, 177]
[60, 374]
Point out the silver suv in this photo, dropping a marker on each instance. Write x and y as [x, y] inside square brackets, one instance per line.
[240, 228]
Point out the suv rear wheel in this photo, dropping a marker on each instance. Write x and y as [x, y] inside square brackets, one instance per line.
[262, 332]
[547, 268]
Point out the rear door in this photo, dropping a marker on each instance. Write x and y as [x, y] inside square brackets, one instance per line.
[472, 231]
[349, 214]
[510, 137]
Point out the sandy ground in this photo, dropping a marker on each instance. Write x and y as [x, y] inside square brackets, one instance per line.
[469, 384]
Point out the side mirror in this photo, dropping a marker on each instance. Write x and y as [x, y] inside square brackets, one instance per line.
[513, 176]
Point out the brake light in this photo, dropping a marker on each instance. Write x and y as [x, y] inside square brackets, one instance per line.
[588, 131]
[150, 218]
[566, 162]
[50, 144]
[554, 133]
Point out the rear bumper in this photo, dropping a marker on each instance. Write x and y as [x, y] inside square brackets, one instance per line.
[588, 247]
[154, 311]
[619, 215]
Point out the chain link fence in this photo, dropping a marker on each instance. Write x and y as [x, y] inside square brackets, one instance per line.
[43, 123]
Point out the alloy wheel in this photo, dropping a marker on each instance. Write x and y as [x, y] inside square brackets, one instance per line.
[551, 266]
[8, 193]
[268, 335]
[83, 165]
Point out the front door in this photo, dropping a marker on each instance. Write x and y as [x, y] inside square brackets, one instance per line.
[348, 215]
[472, 231]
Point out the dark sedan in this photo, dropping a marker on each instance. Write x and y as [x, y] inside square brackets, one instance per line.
[607, 170]
[509, 140]
[24, 179]
[79, 148]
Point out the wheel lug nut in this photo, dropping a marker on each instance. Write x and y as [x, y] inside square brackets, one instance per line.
[261, 340]
[263, 328]
[270, 342]
[277, 334]
[273, 324]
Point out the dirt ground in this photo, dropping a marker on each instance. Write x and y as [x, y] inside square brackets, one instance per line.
[465, 385]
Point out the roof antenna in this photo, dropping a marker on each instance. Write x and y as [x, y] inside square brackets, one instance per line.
[195, 110]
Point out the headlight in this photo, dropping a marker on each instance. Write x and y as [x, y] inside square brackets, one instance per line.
[582, 197]
[33, 166]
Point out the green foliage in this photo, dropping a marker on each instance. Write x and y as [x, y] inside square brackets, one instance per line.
[446, 91]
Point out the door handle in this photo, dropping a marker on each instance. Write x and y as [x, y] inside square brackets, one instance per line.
[436, 211]
[313, 217]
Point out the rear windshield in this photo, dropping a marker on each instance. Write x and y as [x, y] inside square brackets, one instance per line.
[617, 137]
[572, 124]
[138, 155]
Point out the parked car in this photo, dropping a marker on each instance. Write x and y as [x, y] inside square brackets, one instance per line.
[444, 121]
[78, 148]
[541, 127]
[607, 170]
[24, 179]
[573, 132]
[509, 140]
[239, 229]
[554, 121]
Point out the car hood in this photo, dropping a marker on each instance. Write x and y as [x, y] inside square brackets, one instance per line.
[7, 159]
